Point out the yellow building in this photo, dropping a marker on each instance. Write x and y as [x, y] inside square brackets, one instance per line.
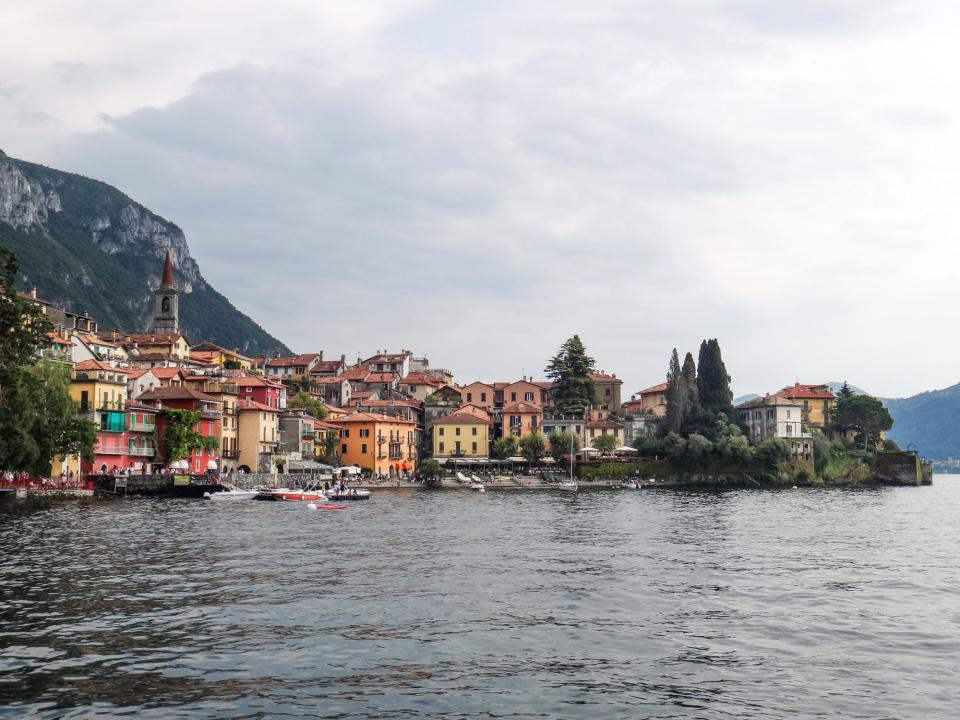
[818, 402]
[461, 434]
[258, 437]
[100, 391]
[220, 356]
[382, 444]
[172, 345]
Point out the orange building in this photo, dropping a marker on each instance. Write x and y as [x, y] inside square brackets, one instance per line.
[652, 401]
[521, 418]
[382, 444]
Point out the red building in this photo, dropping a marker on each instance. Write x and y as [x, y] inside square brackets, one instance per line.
[209, 408]
[265, 391]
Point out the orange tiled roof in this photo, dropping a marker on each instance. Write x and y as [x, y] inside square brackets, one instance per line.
[461, 418]
[602, 377]
[521, 407]
[394, 403]
[326, 366]
[662, 387]
[379, 377]
[98, 365]
[177, 393]
[254, 405]
[419, 378]
[371, 417]
[328, 380]
[807, 392]
[303, 359]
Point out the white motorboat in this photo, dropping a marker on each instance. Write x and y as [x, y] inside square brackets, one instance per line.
[630, 484]
[231, 495]
[477, 484]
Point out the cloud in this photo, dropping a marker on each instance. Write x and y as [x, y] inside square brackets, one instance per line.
[479, 181]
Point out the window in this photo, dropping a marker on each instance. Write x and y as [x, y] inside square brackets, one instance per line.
[364, 432]
[363, 448]
[345, 433]
[788, 414]
[343, 449]
[469, 397]
[474, 430]
[474, 450]
[528, 397]
[513, 397]
[440, 431]
[483, 397]
[441, 447]
[457, 446]
[606, 392]
[456, 430]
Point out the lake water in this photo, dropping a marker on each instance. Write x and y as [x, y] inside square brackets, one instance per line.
[604, 604]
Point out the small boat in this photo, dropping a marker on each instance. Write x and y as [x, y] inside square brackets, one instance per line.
[231, 495]
[351, 495]
[298, 495]
[563, 485]
[630, 484]
[477, 484]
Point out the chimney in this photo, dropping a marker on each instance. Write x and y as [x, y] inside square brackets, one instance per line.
[33, 293]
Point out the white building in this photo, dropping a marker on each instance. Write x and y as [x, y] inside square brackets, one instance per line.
[773, 416]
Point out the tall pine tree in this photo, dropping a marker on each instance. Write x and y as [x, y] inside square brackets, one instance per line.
[713, 382]
[676, 396]
[570, 370]
[689, 374]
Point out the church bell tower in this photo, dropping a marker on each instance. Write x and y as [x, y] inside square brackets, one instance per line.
[166, 311]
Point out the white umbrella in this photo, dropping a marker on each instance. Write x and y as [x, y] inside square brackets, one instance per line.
[626, 449]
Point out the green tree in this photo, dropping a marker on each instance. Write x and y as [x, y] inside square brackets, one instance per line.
[563, 443]
[772, 453]
[713, 382]
[845, 392]
[675, 448]
[676, 397]
[691, 392]
[432, 471]
[180, 435]
[309, 403]
[606, 444]
[533, 447]
[698, 449]
[23, 326]
[570, 370]
[504, 447]
[865, 414]
[56, 428]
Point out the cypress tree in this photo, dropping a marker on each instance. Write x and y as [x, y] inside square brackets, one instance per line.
[713, 382]
[676, 397]
[689, 374]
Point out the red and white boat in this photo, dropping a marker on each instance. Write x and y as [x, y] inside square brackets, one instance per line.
[298, 495]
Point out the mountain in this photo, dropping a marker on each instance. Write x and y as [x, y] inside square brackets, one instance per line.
[929, 421]
[86, 245]
[835, 386]
[744, 398]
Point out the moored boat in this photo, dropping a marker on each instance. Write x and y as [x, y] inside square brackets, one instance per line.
[231, 495]
[298, 495]
[342, 495]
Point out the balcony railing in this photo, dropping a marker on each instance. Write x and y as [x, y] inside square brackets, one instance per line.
[112, 450]
[210, 414]
[143, 451]
[142, 427]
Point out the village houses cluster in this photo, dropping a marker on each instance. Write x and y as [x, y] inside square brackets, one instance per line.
[384, 413]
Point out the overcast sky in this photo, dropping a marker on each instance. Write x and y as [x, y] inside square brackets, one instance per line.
[477, 181]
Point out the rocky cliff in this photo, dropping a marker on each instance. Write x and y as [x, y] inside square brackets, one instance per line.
[85, 244]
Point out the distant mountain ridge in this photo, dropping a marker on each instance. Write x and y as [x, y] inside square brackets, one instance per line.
[929, 421]
[85, 244]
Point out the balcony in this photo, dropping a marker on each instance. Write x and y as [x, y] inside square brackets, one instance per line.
[209, 414]
[230, 454]
[112, 450]
[142, 427]
[143, 451]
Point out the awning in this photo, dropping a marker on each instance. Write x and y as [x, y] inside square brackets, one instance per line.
[626, 449]
[211, 464]
[179, 465]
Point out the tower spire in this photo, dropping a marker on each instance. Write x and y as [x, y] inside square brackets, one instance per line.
[167, 271]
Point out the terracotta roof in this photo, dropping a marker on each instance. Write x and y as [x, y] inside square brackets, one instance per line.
[255, 381]
[379, 377]
[98, 365]
[521, 407]
[304, 359]
[177, 393]
[59, 340]
[336, 380]
[324, 425]
[807, 392]
[362, 394]
[326, 366]
[354, 373]
[254, 405]
[603, 424]
[166, 373]
[419, 378]
[139, 372]
[371, 417]
[393, 403]
[662, 387]
[334, 408]
[545, 384]
[167, 278]
[601, 377]
[461, 418]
